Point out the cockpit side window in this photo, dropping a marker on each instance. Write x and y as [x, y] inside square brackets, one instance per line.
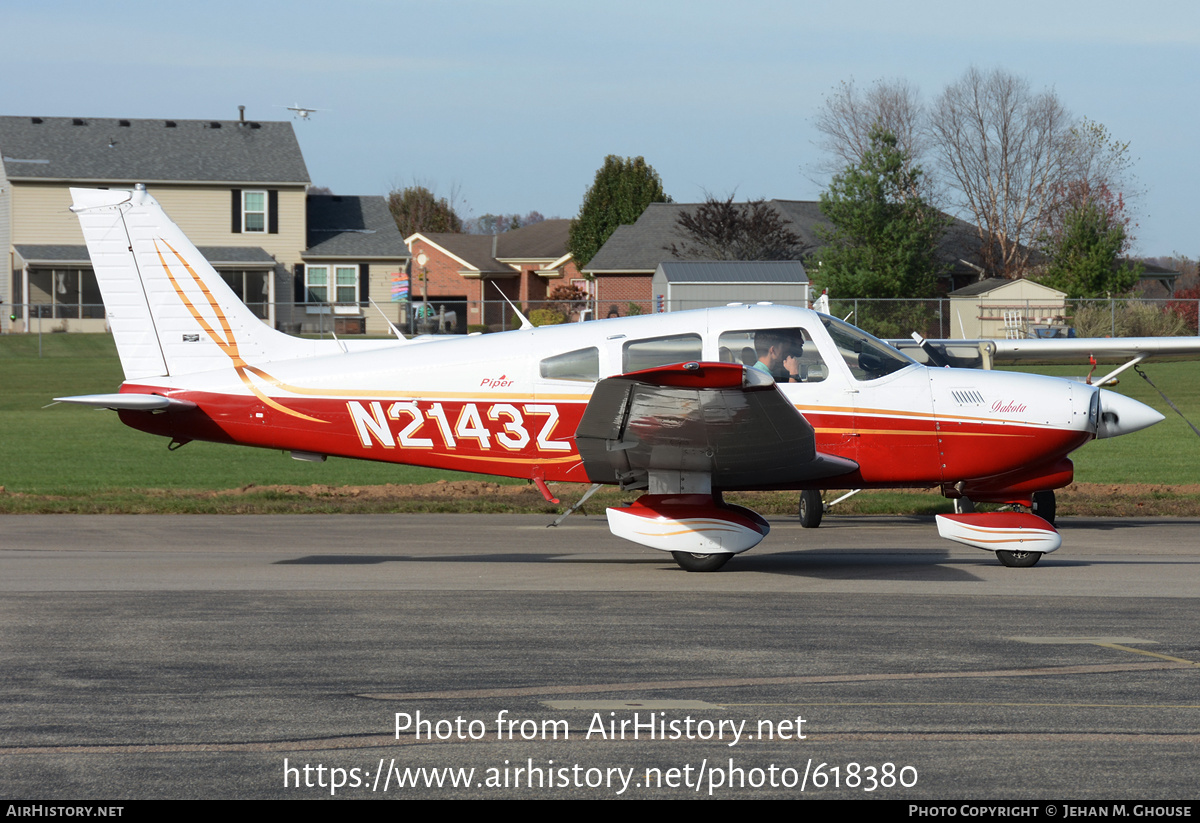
[788, 354]
[660, 351]
[869, 358]
[581, 364]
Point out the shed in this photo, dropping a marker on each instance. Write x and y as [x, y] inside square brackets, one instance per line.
[1001, 308]
[702, 284]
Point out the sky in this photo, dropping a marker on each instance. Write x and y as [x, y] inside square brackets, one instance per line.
[509, 107]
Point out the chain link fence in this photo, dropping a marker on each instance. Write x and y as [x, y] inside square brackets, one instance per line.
[939, 318]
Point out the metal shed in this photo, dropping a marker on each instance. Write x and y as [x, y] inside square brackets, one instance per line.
[702, 284]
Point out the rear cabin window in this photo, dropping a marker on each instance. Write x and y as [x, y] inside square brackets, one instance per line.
[660, 351]
[581, 364]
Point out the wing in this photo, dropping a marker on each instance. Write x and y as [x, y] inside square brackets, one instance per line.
[975, 354]
[715, 419]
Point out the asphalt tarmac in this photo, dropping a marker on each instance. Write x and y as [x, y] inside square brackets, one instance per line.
[275, 657]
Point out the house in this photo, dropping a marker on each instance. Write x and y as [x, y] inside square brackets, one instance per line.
[1000, 308]
[471, 275]
[237, 188]
[624, 266]
[355, 257]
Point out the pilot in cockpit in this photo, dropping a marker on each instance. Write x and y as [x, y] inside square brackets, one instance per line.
[779, 352]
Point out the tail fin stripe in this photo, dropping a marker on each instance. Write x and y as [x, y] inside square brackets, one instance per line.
[229, 345]
[212, 300]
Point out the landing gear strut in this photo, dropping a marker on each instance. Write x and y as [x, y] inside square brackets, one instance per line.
[1045, 506]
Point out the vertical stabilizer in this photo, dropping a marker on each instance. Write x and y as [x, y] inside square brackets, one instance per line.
[170, 312]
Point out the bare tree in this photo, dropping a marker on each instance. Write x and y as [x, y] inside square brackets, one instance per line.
[1101, 169]
[849, 116]
[723, 230]
[1011, 161]
[416, 208]
[1007, 153]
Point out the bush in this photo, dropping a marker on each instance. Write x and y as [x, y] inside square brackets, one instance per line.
[1132, 319]
[547, 317]
[1187, 306]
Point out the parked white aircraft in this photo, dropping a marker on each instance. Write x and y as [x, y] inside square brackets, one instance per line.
[685, 405]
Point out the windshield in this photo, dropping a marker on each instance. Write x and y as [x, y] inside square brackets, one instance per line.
[869, 358]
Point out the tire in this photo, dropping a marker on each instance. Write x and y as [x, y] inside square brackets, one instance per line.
[700, 562]
[1018, 560]
[1045, 506]
[964, 505]
[811, 508]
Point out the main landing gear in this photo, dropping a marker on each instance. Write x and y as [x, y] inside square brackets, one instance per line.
[1018, 560]
[700, 562]
[1045, 506]
[811, 508]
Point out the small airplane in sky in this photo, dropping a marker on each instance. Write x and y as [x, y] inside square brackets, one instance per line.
[684, 406]
[301, 111]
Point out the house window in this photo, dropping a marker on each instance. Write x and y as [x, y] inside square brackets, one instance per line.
[251, 287]
[254, 211]
[65, 294]
[332, 284]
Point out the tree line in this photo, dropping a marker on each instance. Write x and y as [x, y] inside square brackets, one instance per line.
[1046, 193]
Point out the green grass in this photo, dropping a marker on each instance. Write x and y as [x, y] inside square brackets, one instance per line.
[78, 453]
[72, 450]
[1165, 453]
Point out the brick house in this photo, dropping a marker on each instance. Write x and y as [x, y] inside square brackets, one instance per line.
[471, 274]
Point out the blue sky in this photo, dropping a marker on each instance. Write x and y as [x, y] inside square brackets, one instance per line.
[514, 105]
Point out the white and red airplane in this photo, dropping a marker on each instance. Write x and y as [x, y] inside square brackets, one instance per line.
[684, 405]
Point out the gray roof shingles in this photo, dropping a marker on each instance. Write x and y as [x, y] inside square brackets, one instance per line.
[108, 149]
[740, 271]
[644, 244]
[344, 226]
[216, 255]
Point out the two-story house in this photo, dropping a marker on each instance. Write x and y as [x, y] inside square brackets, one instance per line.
[237, 188]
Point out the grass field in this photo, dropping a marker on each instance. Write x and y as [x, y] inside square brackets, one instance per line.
[89, 461]
[1166, 453]
[72, 450]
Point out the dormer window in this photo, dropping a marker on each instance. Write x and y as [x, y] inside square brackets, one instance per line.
[254, 211]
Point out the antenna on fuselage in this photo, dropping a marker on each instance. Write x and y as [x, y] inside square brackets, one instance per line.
[391, 325]
[525, 324]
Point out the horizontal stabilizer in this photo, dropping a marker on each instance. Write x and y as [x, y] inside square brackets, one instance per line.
[131, 402]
